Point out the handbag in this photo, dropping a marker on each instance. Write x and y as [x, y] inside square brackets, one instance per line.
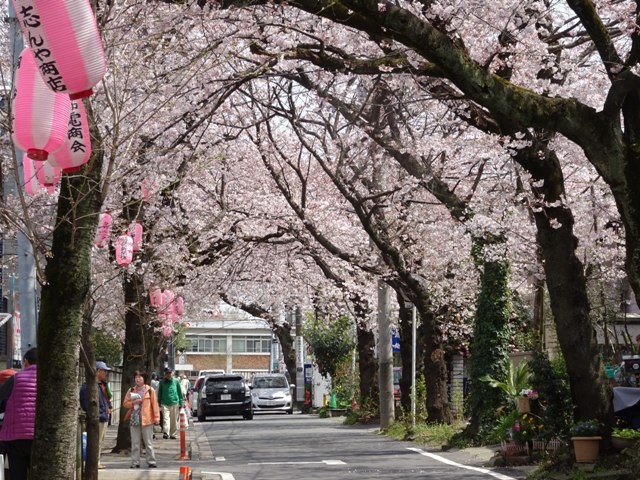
[134, 421]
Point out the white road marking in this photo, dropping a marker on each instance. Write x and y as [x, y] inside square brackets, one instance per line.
[326, 462]
[446, 461]
[221, 475]
[220, 459]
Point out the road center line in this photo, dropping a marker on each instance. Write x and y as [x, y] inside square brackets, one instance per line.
[326, 462]
[446, 461]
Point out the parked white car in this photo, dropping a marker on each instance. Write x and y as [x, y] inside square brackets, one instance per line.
[198, 386]
[271, 392]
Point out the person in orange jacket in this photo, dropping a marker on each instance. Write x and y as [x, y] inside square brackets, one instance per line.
[143, 413]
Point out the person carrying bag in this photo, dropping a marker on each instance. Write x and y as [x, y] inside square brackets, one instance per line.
[143, 413]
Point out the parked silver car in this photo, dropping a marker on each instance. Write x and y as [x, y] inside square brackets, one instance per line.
[271, 393]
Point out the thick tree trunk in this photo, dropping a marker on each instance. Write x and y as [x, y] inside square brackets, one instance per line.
[367, 365]
[435, 368]
[566, 283]
[283, 332]
[570, 307]
[137, 347]
[64, 296]
[92, 418]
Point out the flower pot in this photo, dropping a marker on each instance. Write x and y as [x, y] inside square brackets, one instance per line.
[620, 443]
[586, 449]
[523, 404]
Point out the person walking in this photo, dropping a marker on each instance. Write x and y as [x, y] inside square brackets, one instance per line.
[185, 384]
[171, 399]
[155, 381]
[102, 373]
[143, 414]
[19, 424]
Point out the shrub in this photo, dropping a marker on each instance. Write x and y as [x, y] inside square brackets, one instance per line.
[586, 428]
[551, 382]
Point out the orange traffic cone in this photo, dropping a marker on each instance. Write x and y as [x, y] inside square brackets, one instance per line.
[183, 435]
[185, 473]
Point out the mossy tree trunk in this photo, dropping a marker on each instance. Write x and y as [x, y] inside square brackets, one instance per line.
[489, 345]
[64, 299]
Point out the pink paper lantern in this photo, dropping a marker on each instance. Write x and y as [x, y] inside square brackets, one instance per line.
[167, 301]
[166, 331]
[135, 232]
[64, 37]
[76, 150]
[155, 297]
[47, 174]
[31, 184]
[40, 116]
[124, 250]
[179, 305]
[101, 239]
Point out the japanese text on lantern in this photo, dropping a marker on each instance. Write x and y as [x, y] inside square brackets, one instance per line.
[48, 69]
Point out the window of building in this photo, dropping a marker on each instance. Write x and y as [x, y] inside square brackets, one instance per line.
[208, 343]
[251, 344]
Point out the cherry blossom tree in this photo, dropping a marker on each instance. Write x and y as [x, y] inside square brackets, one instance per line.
[436, 39]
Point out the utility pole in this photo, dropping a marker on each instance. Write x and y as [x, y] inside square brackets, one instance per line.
[385, 357]
[27, 286]
[299, 359]
[413, 365]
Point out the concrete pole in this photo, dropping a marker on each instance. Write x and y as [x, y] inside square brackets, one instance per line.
[385, 357]
[27, 285]
[299, 359]
[413, 366]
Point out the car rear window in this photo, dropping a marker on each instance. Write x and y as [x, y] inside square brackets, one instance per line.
[214, 383]
[270, 382]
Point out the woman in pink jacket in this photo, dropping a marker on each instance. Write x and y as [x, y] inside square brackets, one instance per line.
[143, 414]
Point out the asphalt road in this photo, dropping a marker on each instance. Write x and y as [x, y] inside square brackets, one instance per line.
[277, 447]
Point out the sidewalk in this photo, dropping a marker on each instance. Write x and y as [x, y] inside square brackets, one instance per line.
[167, 456]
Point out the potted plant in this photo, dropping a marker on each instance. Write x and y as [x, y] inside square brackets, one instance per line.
[622, 438]
[523, 401]
[586, 440]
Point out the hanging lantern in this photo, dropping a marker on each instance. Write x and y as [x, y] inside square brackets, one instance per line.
[155, 297]
[166, 331]
[40, 116]
[31, 185]
[179, 305]
[167, 301]
[124, 250]
[135, 232]
[66, 43]
[47, 174]
[166, 326]
[145, 193]
[76, 150]
[101, 239]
